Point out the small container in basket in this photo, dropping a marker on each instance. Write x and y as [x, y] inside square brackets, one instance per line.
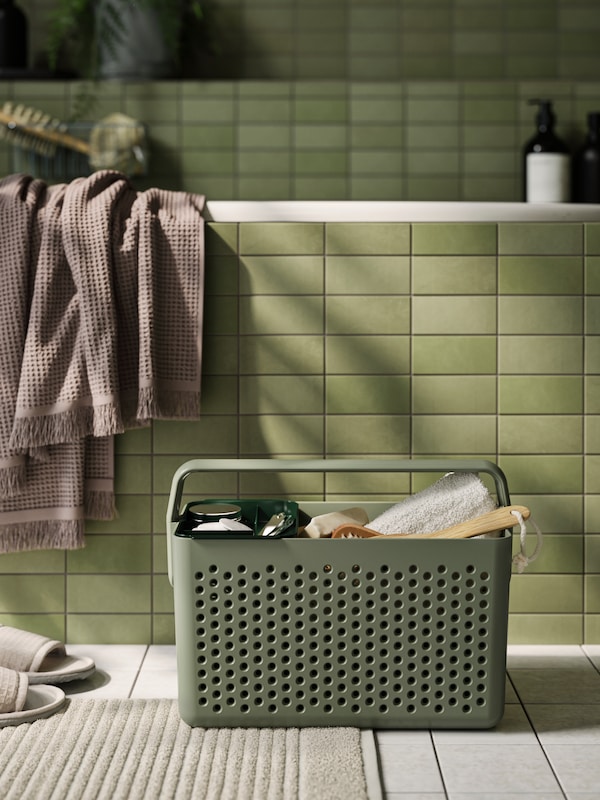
[303, 632]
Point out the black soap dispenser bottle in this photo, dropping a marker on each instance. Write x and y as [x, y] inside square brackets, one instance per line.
[546, 161]
[586, 164]
[13, 37]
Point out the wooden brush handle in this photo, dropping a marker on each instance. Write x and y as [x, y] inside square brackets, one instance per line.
[49, 135]
[496, 520]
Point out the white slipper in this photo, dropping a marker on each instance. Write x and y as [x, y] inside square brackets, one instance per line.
[20, 702]
[43, 660]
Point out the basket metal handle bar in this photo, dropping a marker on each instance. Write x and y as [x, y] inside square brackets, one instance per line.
[323, 465]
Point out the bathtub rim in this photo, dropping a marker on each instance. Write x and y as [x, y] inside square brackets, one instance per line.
[395, 211]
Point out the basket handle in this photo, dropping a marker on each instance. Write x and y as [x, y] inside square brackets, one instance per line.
[322, 465]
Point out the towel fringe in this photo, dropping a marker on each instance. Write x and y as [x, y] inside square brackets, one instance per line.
[99, 505]
[12, 480]
[42, 535]
[154, 403]
[66, 426]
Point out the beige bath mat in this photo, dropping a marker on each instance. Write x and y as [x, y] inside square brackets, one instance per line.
[141, 750]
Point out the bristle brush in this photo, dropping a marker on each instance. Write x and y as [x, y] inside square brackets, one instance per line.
[116, 142]
[496, 520]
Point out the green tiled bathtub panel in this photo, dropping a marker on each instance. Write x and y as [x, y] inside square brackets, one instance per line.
[374, 339]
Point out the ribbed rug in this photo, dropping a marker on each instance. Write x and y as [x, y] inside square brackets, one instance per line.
[141, 750]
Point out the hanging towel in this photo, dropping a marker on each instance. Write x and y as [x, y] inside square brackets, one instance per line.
[455, 498]
[101, 311]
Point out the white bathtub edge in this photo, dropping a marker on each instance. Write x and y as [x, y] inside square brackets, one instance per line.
[395, 211]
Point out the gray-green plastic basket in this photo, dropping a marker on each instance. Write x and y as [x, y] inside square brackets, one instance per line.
[302, 632]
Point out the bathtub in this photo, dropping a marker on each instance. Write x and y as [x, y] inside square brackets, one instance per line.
[395, 211]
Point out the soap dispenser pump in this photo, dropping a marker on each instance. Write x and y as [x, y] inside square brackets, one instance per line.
[586, 164]
[546, 162]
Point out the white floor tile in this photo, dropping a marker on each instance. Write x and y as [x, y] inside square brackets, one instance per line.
[488, 768]
[117, 683]
[566, 724]
[158, 683]
[570, 685]
[564, 656]
[576, 765]
[160, 656]
[410, 768]
[514, 728]
[112, 656]
[416, 796]
[506, 796]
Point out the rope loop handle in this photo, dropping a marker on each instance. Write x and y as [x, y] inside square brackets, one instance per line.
[521, 559]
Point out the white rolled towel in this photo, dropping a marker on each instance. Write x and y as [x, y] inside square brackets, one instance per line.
[455, 498]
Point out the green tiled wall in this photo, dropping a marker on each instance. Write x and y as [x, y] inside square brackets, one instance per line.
[386, 39]
[326, 140]
[367, 339]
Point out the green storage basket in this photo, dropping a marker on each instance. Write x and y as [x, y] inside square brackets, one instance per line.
[301, 632]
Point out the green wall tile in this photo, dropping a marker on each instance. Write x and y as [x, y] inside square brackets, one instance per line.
[592, 513]
[592, 394]
[368, 435]
[454, 239]
[560, 554]
[133, 474]
[554, 513]
[544, 474]
[281, 274]
[540, 315]
[447, 394]
[371, 238]
[219, 356]
[272, 435]
[133, 516]
[592, 274]
[592, 594]
[122, 594]
[592, 238]
[592, 434]
[281, 238]
[450, 435]
[592, 473]
[210, 435]
[592, 553]
[454, 355]
[281, 315]
[545, 629]
[367, 315]
[592, 315]
[298, 355]
[281, 394]
[541, 394]
[367, 274]
[107, 628]
[112, 554]
[540, 434]
[454, 315]
[372, 394]
[541, 238]
[540, 275]
[27, 594]
[454, 275]
[369, 354]
[540, 354]
[50, 625]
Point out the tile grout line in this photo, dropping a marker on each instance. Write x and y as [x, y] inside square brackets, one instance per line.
[535, 733]
[138, 672]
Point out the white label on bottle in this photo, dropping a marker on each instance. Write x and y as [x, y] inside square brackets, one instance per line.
[547, 178]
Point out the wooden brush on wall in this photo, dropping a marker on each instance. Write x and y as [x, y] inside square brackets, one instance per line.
[116, 142]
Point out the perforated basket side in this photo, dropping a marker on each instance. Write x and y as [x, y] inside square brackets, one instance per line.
[388, 634]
